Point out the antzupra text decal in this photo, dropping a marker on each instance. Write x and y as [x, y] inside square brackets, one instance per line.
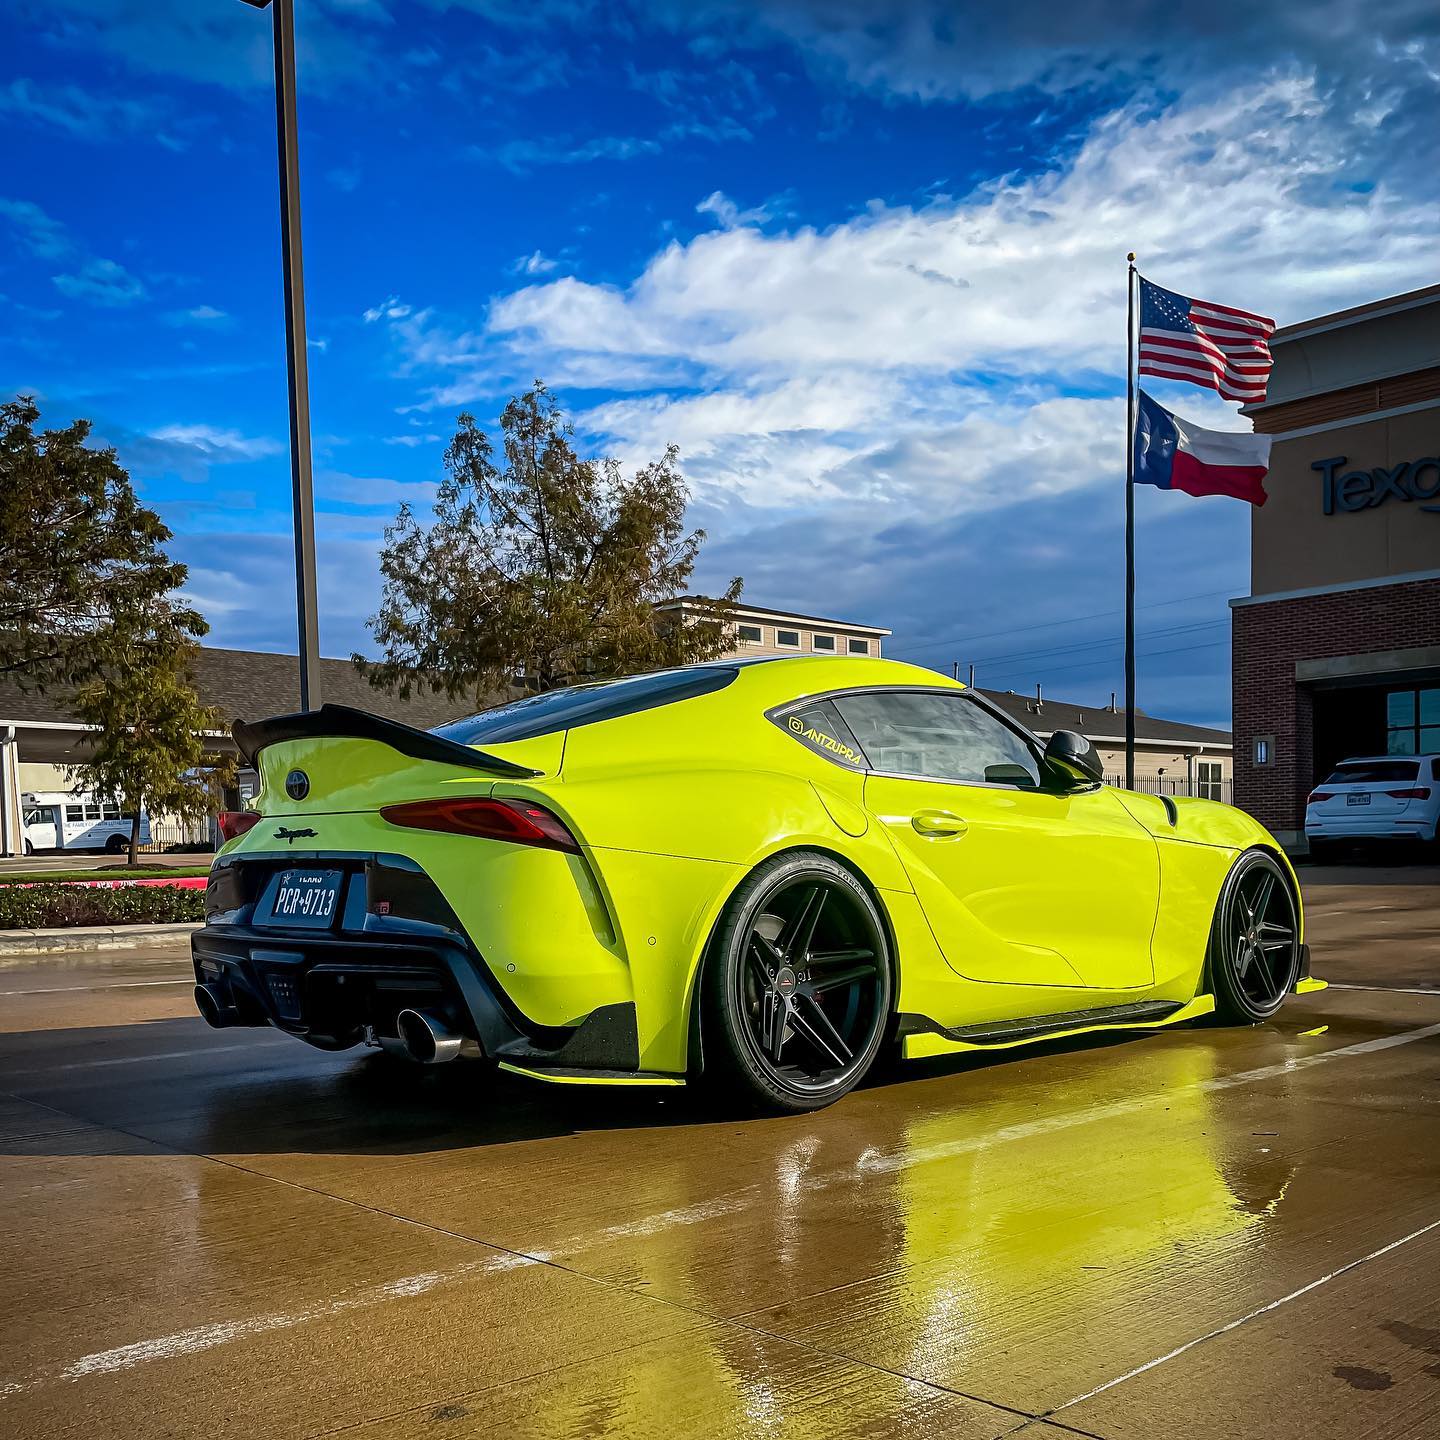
[822, 741]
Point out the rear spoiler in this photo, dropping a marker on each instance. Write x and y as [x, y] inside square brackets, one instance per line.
[343, 722]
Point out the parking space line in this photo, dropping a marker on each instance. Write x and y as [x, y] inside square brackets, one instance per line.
[1253, 1315]
[89, 989]
[1115, 1109]
[1384, 989]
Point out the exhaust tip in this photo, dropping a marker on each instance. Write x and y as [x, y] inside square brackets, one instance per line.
[427, 1040]
[214, 1010]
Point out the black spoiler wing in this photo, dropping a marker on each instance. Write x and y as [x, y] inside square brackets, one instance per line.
[252, 736]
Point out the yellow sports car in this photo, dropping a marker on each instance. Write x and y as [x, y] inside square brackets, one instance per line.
[755, 875]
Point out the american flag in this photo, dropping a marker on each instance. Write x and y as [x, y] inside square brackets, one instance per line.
[1214, 346]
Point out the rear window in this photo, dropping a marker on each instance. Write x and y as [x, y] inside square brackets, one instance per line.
[585, 705]
[1366, 772]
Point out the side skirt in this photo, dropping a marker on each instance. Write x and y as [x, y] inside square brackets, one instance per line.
[925, 1037]
[562, 1075]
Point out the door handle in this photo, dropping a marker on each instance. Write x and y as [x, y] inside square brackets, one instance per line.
[939, 824]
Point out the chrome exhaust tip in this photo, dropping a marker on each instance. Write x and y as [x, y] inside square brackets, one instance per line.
[427, 1040]
[216, 1012]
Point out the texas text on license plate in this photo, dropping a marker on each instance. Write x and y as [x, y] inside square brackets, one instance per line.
[1358, 797]
[306, 897]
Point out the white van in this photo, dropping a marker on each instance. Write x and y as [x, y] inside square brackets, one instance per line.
[60, 821]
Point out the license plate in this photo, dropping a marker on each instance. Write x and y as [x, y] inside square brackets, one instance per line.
[306, 897]
[1358, 797]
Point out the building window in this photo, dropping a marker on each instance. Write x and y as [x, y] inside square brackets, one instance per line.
[749, 634]
[790, 639]
[823, 642]
[1208, 777]
[1412, 722]
[858, 647]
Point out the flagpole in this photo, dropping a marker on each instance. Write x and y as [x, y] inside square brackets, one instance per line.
[1130, 523]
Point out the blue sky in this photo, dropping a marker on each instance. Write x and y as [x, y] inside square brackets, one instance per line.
[863, 260]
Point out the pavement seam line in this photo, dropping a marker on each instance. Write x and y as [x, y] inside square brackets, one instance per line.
[1252, 1315]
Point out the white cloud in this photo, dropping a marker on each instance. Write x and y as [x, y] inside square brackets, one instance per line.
[101, 282]
[413, 441]
[920, 356]
[217, 445]
[728, 215]
[390, 309]
[36, 231]
[534, 264]
[204, 315]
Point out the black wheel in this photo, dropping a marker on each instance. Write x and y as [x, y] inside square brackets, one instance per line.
[116, 843]
[29, 847]
[796, 990]
[1254, 941]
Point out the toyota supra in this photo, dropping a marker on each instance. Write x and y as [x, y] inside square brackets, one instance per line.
[756, 876]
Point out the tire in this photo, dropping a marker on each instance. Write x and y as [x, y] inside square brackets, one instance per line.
[116, 844]
[1254, 953]
[29, 847]
[796, 990]
[1324, 852]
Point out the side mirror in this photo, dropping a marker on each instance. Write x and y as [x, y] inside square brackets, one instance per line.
[1074, 756]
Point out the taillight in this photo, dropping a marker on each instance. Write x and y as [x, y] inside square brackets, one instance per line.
[1416, 792]
[521, 822]
[1317, 795]
[234, 823]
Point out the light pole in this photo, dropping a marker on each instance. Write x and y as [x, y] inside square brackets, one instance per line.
[283, 17]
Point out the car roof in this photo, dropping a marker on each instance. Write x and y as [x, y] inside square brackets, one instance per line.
[1374, 759]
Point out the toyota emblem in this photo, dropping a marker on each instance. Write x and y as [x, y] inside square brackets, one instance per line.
[297, 784]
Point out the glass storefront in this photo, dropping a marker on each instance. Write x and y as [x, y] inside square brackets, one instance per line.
[1412, 721]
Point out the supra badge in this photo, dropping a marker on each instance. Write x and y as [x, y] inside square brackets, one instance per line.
[291, 836]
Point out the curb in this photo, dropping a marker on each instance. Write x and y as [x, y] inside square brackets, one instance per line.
[20, 947]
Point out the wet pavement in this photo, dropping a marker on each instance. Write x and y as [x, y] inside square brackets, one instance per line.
[1199, 1232]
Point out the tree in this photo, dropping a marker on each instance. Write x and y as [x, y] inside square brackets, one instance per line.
[150, 752]
[542, 570]
[78, 553]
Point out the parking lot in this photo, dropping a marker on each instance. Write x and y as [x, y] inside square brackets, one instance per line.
[1199, 1232]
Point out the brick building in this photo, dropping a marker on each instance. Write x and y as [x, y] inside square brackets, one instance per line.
[1337, 647]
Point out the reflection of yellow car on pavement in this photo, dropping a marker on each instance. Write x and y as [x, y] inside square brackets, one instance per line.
[759, 873]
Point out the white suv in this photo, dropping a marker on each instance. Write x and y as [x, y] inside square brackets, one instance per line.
[1379, 797]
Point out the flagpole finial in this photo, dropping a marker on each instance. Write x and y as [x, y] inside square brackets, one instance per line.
[1131, 257]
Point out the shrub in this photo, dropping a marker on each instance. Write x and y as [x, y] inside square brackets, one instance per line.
[46, 907]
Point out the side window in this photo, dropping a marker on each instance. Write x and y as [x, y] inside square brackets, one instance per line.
[818, 727]
[74, 814]
[938, 737]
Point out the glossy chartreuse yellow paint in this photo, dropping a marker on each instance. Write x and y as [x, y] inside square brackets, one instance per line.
[1037, 903]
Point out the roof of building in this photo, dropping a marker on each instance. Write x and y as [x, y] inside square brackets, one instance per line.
[1101, 723]
[763, 612]
[1355, 313]
[253, 684]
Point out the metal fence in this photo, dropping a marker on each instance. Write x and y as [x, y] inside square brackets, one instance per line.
[1222, 790]
[181, 835]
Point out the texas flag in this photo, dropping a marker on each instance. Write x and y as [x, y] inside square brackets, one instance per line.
[1176, 455]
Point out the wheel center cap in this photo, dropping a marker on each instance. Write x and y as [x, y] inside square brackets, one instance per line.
[785, 980]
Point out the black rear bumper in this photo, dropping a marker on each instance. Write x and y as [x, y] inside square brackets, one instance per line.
[332, 989]
[393, 945]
